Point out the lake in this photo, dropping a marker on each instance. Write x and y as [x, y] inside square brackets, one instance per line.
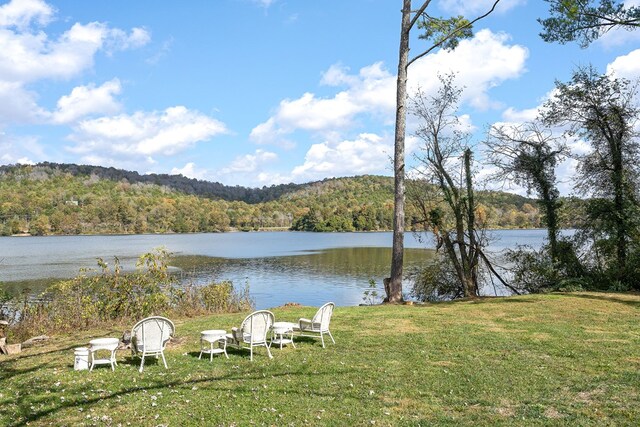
[279, 267]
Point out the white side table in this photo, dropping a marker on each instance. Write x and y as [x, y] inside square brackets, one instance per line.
[209, 338]
[104, 344]
[280, 330]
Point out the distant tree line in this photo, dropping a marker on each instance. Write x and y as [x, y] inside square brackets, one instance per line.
[69, 199]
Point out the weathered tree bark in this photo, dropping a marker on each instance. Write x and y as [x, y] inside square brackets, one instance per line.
[397, 255]
[394, 293]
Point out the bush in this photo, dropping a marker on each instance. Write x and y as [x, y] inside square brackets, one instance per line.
[108, 296]
[436, 281]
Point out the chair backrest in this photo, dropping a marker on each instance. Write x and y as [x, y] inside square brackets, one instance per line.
[323, 316]
[256, 326]
[153, 333]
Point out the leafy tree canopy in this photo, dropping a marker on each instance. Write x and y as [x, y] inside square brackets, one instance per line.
[585, 21]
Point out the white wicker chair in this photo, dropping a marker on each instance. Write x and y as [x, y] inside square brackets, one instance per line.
[253, 332]
[319, 325]
[149, 337]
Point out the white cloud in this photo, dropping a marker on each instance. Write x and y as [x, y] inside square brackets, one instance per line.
[118, 39]
[627, 66]
[471, 9]
[371, 91]
[250, 162]
[18, 104]
[481, 63]
[21, 149]
[21, 13]
[144, 134]
[190, 171]
[368, 153]
[86, 100]
[519, 116]
[29, 55]
[250, 170]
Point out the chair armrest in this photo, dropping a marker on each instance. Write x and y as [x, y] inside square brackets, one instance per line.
[305, 324]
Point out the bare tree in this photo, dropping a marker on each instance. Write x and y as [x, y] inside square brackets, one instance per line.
[445, 166]
[443, 33]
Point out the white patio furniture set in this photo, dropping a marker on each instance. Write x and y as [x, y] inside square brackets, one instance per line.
[150, 336]
[259, 329]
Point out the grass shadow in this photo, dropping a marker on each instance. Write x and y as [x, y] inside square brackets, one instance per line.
[605, 297]
[31, 417]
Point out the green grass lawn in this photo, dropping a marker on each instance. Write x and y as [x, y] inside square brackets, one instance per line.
[561, 359]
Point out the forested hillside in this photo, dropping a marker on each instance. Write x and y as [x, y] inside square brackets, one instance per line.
[70, 199]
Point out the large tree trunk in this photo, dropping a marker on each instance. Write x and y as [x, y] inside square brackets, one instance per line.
[397, 256]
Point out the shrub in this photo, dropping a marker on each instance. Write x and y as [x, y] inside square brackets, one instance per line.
[107, 296]
[436, 281]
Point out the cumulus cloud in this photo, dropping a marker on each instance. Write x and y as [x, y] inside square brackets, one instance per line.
[22, 149]
[371, 91]
[627, 66]
[471, 9]
[22, 13]
[368, 153]
[144, 134]
[88, 100]
[249, 162]
[482, 63]
[251, 170]
[29, 55]
[17, 104]
[190, 170]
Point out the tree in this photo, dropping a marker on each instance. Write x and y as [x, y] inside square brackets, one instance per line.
[443, 33]
[527, 155]
[600, 110]
[586, 20]
[447, 202]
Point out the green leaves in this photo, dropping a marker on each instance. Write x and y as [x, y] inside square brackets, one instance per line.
[585, 21]
[445, 33]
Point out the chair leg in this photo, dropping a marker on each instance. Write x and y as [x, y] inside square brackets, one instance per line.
[164, 360]
[322, 339]
[269, 351]
[251, 353]
[142, 363]
[329, 332]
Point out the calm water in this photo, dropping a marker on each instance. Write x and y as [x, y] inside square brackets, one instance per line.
[279, 267]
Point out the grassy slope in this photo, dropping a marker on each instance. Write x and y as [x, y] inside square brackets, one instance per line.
[557, 359]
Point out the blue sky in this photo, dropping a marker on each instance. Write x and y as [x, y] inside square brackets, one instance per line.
[258, 92]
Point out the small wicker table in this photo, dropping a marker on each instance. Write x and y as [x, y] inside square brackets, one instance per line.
[280, 330]
[209, 338]
[103, 344]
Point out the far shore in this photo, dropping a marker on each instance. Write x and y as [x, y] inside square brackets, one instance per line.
[236, 230]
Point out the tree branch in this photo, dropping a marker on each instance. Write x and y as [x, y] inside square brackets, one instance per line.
[452, 34]
[418, 14]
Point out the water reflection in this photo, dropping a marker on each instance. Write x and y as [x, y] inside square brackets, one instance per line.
[339, 274]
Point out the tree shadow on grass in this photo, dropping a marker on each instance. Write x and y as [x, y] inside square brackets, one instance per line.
[28, 416]
[608, 298]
